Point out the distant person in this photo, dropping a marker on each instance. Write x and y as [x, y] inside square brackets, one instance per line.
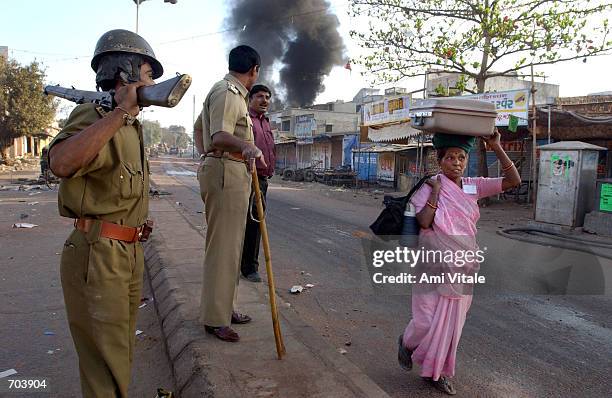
[447, 211]
[259, 101]
[224, 136]
[105, 183]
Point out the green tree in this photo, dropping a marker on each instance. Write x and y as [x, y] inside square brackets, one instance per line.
[477, 39]
[24, 109]
[175, 136]
[152, 133]
[183, 140]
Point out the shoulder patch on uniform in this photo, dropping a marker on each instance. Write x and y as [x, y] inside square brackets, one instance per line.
[101, 111]
[231, 87]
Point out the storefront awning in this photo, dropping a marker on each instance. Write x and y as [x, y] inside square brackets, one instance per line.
[391, 132]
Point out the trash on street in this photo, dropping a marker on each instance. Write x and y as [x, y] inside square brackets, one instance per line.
[296, 289]
[24, 225]
[8, 373]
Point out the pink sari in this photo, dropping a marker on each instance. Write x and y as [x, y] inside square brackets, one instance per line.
[438, 315]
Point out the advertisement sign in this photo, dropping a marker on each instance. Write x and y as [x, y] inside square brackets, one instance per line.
[513, 102]
[305, 129]
[386, 111]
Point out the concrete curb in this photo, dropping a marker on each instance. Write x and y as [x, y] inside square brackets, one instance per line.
[180, 333]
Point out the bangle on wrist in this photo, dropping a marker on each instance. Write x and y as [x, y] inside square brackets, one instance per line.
[432, 205]
[508, 167]
[127, 116]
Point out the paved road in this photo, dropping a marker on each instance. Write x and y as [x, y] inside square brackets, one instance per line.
[34, 335]
[514, 343]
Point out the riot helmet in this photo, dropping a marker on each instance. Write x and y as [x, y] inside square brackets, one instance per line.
[119, 54]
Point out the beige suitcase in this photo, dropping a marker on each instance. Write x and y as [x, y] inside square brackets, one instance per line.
[454, 116]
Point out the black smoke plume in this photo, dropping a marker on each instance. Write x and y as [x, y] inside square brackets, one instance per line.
[300, 35]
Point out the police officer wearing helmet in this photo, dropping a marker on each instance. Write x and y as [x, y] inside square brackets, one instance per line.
[100, 157]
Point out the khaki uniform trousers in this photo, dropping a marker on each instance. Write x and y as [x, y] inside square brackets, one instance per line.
[102, 283]
[225, 186]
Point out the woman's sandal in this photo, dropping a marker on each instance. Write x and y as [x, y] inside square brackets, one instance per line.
[443, 384]
[404, 355]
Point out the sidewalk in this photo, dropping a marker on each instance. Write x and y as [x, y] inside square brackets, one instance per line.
[206, 366]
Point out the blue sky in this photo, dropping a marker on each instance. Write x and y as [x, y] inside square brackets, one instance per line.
[62, 35]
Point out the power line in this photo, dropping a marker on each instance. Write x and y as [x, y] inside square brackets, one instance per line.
[236, 28]
[244, 27]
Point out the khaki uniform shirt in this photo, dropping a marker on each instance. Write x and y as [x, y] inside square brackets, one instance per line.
[115, 186]
[225, 109]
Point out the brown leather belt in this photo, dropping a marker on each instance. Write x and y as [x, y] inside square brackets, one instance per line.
[111, 230]
[236, 156]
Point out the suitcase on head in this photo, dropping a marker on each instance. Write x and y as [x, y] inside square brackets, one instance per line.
[454, 116]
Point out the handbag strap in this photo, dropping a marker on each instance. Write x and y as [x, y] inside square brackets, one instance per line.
[417, 186]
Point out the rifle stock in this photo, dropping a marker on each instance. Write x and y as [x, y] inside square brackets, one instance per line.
[166, 94]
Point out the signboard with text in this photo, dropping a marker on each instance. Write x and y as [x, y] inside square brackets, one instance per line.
[513, 102]
[305, 129]
[386, 111]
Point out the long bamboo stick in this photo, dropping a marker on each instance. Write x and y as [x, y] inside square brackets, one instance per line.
[278, 338]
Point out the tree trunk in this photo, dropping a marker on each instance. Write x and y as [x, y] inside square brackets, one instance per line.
[483, 168]
[4, 147]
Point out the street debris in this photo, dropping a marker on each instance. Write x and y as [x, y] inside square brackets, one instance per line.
[163, 393]
[34, 193]
[142, 305]
[187, 173]
[32, 203]
[348, 343]
[339, 190]
[138, 332]
[178, 203]
[49, 333]
[296, 289]
[309, 285]
[8, 373]
[50, 352]
[146, 299]
[295, 208]
[23, 216]
[288, 305]
[156, 193]
[342, 351]
[24, 225]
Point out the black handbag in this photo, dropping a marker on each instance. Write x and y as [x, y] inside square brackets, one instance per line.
[390, 221]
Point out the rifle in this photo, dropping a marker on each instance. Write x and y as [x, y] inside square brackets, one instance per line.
[167, 93]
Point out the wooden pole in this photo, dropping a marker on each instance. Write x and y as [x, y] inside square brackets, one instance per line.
[278, 338]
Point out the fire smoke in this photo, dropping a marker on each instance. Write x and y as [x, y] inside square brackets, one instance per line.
[299, 35]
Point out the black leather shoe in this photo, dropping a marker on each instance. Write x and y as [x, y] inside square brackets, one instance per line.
[240, 318]
[224, 333]
[253, 277]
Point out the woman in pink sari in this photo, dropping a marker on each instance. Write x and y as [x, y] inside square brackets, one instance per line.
[447, 212]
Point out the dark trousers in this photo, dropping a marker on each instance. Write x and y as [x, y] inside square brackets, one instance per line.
[252, 235]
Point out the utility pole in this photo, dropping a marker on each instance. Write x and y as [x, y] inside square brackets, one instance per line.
[534, 173]
[137, 11]
[192, 130]
[138, 8]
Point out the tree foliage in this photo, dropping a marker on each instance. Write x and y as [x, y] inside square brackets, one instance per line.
[24, 109]
[152, 132]
[173, 136]
[477, 39]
